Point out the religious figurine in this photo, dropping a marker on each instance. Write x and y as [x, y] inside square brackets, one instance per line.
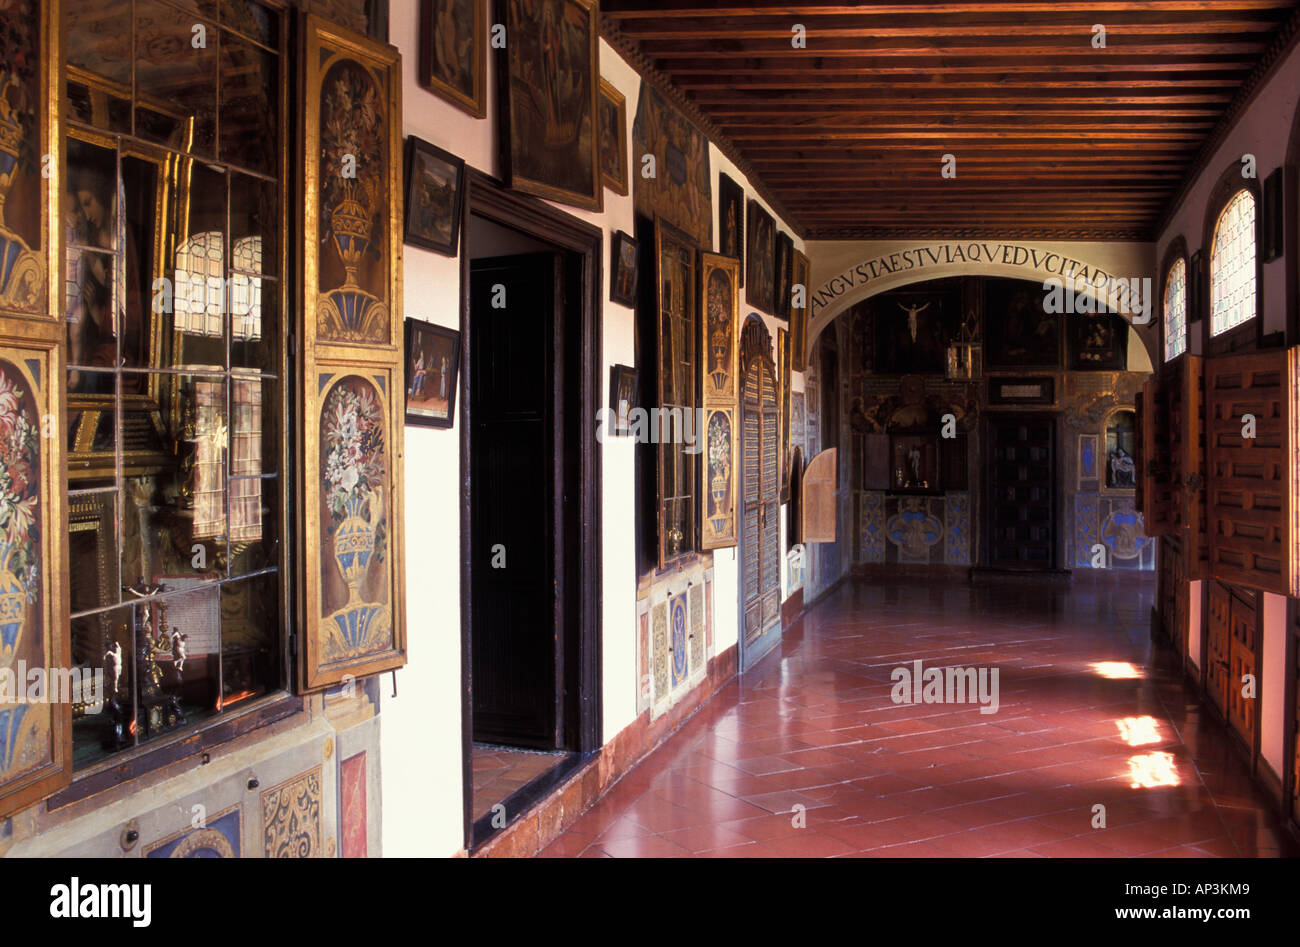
[178, 650]
[113, 664]
[914, 458]
[1122, 468]
[912, 313]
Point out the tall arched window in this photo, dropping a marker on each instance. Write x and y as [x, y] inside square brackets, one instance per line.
[1232, 265]
[1175, 309]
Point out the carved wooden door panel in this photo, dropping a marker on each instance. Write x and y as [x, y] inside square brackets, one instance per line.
[1247, 419]
[1241, 662]
[1218, 645]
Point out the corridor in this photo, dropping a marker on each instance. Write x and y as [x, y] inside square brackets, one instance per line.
[1092, 713]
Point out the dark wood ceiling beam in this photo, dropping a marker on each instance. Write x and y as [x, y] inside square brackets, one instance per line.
[936, 83]
[665, 51]
[819, 28]
[973, 134]
[955, 98]
[946, 67]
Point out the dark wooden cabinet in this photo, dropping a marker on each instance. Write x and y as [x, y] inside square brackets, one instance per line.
[1022, 520]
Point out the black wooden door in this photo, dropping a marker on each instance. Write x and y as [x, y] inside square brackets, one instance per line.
[515, 661]
[1022, 492]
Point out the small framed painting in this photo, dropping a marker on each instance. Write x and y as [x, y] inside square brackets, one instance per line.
[622, 398]
[760, 251]
[781, 275]
[453, 52]
[1040, 390]
[731, 221]
[432, 365]
[612, 108]
[434, 191]
[622, 269]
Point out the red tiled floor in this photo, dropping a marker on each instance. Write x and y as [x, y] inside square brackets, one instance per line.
[807, 756]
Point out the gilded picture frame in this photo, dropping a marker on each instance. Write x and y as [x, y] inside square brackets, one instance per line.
[352, 373]
[781, 271]
[560, 160]
[453, 52]
[731, 221]
[783, 425]
[719, 348]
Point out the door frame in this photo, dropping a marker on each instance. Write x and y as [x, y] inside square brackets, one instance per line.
[580, 642]
[748, 656]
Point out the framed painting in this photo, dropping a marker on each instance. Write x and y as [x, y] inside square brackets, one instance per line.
[352, 205]
[622, 269]
[681, 190]
[913, 327]
[352, 361]
[781, 270]
[760, 254]
[1020, 334]
[720, 476]
[800, 273]
[622, 397]
[548, 93]
[613, 137]
[453, 50]
[783, 439]
[354, 588]
[36, 737]
[432, 367]
[719, 329]
[1088, 468]
[434, 192]
[731, 221]
[1097, 342]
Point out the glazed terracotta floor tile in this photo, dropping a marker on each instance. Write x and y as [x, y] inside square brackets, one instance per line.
[808, 756]
[500, 771]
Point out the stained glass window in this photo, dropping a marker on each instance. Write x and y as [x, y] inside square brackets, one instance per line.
[1176, 310]
[1232, 265]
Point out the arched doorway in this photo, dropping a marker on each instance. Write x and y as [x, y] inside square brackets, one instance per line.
[760, 554]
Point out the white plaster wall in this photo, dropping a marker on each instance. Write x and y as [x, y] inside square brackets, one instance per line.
[1262, 130]
[422, 798]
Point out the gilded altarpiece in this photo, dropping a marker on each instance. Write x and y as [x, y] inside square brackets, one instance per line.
[351, 397]
[720, 330]
[35, 738]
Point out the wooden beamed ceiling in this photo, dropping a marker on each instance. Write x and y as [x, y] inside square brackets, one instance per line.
[1053, 137]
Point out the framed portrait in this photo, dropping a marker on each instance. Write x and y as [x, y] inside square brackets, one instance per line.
[613, 137]
[622, 269]
[453, 44]
[432, 363]
[548, 82]
[1020, 334]
[622, 397]
[1088, 461]
[783, 442]
[731, 221]
[760, 255]
[800, 273]
[434, 191]
[781, 275]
